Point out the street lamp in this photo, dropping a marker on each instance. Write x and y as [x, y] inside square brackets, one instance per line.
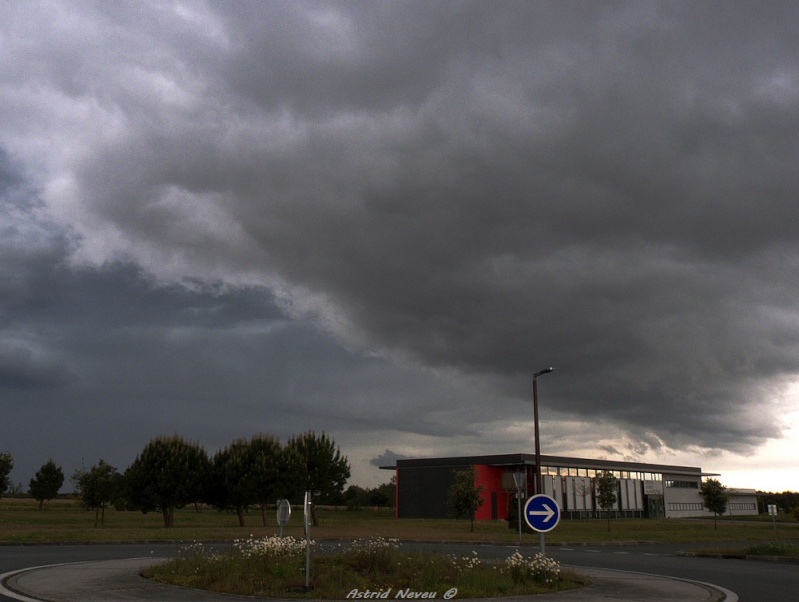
[537, 472]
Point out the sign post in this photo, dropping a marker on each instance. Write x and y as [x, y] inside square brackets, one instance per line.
[307, 520]
[283, 514]
[772, 510]
[542, 514]
[520, 480]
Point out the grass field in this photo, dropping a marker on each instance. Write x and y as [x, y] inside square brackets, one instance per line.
[64, 521]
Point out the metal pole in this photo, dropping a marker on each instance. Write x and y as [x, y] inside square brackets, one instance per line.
[537, 473]
[537, 468]
[307, 518]
[520, 479]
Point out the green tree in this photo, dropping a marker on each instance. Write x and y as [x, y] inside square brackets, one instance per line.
[356, 497]
[232, 478]
[714, 497]
[169, 473]
[387, 493]
[254, 471]
[6, 464]
[46, 483]
[97, 486]
[463, 496]
[277, 471]
[606, 488]
[324, 470]
[379, 497]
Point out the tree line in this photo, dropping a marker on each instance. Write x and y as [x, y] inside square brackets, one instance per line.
[787, 502]
[171, 472]
[382, 496]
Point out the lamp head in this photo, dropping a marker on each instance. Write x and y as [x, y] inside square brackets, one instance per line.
[544, 371]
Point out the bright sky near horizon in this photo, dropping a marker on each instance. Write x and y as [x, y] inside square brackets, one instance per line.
[380, 219]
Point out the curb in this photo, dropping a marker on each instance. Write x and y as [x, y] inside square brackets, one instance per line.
[781, 559]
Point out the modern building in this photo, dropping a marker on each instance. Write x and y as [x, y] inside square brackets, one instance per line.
[645, 490]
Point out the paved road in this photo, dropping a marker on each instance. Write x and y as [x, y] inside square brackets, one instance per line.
[13, 558]
[753, 581]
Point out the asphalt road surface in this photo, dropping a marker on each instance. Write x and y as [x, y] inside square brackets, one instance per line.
[753, 581]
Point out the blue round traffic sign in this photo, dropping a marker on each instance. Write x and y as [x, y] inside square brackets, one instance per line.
[542, 513]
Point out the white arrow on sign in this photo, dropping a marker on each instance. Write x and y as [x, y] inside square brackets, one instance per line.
[549, 513]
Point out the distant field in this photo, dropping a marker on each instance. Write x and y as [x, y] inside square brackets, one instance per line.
[64, 521]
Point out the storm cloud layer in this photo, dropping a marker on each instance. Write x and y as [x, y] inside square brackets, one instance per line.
[384, 217]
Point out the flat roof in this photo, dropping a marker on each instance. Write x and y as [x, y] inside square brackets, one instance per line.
[558, 461]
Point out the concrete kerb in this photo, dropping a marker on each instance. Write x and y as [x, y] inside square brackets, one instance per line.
[9, 592]
[98, 581]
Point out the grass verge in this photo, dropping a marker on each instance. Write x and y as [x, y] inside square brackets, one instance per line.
[63, 521]
[778, 549]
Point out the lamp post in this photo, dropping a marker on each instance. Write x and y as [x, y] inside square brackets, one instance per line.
[537, 473]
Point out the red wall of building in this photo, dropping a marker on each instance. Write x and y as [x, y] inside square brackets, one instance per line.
[490, 477]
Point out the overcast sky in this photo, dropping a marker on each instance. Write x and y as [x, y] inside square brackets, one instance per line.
[379, 219]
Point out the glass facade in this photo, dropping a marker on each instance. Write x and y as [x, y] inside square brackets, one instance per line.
[683, 484]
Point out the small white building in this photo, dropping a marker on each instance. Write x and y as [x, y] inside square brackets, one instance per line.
[742, 502]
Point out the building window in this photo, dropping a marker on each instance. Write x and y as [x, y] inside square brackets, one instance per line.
[742, 506]
[684, 506]
[683, 484]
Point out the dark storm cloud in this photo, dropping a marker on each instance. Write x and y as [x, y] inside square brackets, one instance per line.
[96, 361]
[480, 188]
[19, 369]
[605, 189]
[387, 458]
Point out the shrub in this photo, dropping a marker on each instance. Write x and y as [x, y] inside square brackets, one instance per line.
[372, 555]
[269, 547]
[538, 569]
[464, 563]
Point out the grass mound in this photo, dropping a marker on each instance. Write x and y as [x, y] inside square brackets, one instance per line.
[372, 568]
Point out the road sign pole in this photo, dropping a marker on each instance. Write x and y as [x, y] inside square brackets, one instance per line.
[520, 478]
[519, 506]
[307, 519]
[542, 514]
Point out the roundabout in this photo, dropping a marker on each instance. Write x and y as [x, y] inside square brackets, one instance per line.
[119, 579]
